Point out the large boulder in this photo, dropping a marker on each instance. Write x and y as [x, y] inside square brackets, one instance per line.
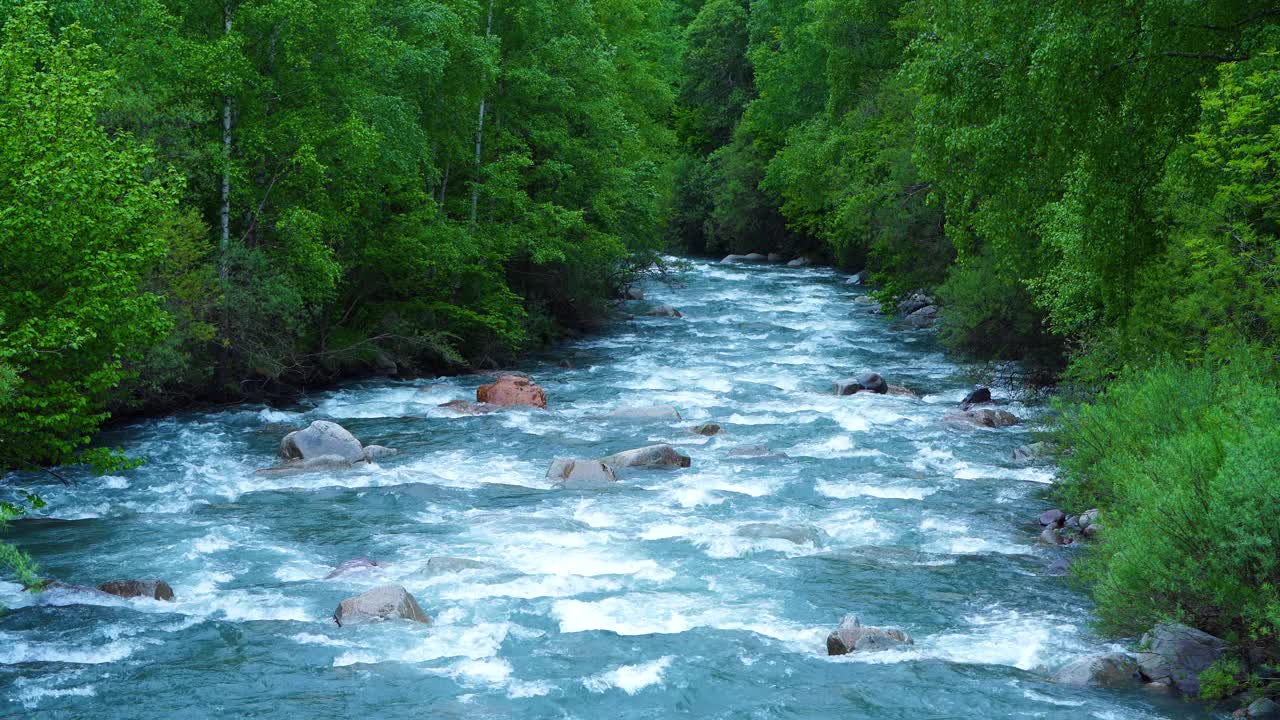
[863, 382]
[924, 317]
[800, 535]
[509, 390]
[1176, 654]
[1112, 670]
[358, 564]
[755, 258]
[568, 473]
[153, 589]
[645, 413]
[984, 417]
[976, 396]
[321, 439]
[653, 456]
[853, 636]
[389, 602]
[664, 311]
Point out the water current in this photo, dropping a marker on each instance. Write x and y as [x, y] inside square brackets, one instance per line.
[644, 600]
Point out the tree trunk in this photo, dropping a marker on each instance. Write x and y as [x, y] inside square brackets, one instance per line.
[475, 189]
[224, 242]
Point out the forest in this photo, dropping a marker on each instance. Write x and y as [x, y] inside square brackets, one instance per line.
[206, 201]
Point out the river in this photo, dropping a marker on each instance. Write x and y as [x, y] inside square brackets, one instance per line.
[640, 601]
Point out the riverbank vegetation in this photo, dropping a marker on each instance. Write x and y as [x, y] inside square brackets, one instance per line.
[220, 199]
[1093, 188]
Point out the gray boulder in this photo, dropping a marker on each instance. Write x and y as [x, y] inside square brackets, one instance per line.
[633, 294]
[1088, 518]
[320, 439]
[754, 451]
[1263, 708]
[1112, 670]
[1054, 517]
[800, 262]
[800, 535]
[706, 429]
[374, 452]
[852, 636]
[863, 382]
[924, 317]
[755, 258]
[653, 456]
[645, 413]
[664, 311]
[389, 602]
[1177, 654]
[1053, 536]
[580, 473]
[154, 589]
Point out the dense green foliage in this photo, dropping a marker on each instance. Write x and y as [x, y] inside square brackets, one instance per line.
[1185, 462]
[214, 199]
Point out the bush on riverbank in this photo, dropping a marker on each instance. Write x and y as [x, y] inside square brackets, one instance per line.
[1184, 462]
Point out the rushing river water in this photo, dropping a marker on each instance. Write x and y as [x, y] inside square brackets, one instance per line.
[640, 601]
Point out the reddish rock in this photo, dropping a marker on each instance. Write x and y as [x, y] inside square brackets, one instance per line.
[154, 589]
[509, 390]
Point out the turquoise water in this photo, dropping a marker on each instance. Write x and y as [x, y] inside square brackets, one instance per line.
[639, 601]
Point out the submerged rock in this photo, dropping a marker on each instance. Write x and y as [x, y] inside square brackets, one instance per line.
[899, 391]
[853, 636]
[645, 413]
[800, 535]
[1177, 654]
[321, 439]
[389, 602]
[1112, 670]
[754, 451]
[154, 589]
[653, 456]
[465, 407]
[664, 311]
[985, 417]
[1031, 452]
[510, 390]
[706, 429]
[580, 473]
[441, 565]
[358, 564]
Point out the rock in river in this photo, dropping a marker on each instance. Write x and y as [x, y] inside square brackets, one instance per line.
[645, 413]
[653, 456]
[442, 565]
[1177, 654]
[853, 636]
[580, 473]
[863, 382]
[706, 429]
[353, 565]
[321, 439]
[976, 396]
[154, 589]
[512, 389]
[800, 535]
[1112, 670]
[389, 602]
[985, 417]
[664, 311]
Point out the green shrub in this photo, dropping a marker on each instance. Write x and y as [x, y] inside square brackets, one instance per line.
[1185, 463]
